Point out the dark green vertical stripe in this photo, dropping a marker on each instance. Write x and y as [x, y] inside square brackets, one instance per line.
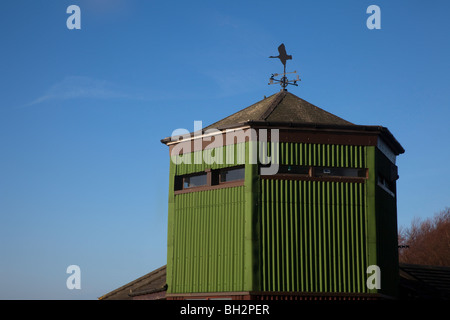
[316, 239]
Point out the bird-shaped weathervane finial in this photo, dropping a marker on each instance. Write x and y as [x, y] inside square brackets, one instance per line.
[283, 56]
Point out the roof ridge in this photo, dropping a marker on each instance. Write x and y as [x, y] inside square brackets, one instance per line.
[278, 98]
[249, 107]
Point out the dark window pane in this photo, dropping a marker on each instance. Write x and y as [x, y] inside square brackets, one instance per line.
[339, 172]
[291, 169]
[232, 175]
[195, 181]
[178, 185]
[385, 183]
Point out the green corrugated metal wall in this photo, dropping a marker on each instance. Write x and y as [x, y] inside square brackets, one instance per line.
[206, 238]
[289, 153]
[386, 220]
[216, 158]
[232, 239]
[322, 155]
[313, 236]
[208, 253]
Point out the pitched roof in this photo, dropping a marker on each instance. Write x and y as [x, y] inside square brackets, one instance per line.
[152, 282]
[282, 107]
[424, 282]
[416, 282]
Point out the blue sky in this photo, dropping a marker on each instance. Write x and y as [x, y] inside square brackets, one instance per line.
[83, 175]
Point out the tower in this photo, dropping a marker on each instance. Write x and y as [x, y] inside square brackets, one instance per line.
[282, 199]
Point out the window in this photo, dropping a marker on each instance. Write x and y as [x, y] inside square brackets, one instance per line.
[339, 172]
[228, 175]
[291, 169]
[210, 179]
[194, 181]
[387, 186]
[319, 173]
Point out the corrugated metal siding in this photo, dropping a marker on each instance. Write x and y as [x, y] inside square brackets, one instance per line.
[289, 153]
[322, 155]
[387, 237]
[312, 236]
[322, 297]
[215, 158]
[208, 235]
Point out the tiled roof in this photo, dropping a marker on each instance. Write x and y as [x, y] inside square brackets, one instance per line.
[284, 109]
[416, 282]
[424, 282]
[152, 282]
[281, 107]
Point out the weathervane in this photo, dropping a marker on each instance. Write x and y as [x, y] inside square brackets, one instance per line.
[284, 81]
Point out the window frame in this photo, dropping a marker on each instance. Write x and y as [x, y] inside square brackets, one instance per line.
[386, 185]
[315, 172]
[311, 175]
[194, 175]
[213, 177]
[220, 172]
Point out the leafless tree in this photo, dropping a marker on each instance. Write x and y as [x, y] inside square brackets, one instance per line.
[426, 242]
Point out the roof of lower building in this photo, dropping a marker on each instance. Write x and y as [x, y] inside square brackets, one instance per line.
[416, 282]
[152, 282]
[424, 282]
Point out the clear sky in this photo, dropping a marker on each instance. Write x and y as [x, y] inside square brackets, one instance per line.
[83, 174]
